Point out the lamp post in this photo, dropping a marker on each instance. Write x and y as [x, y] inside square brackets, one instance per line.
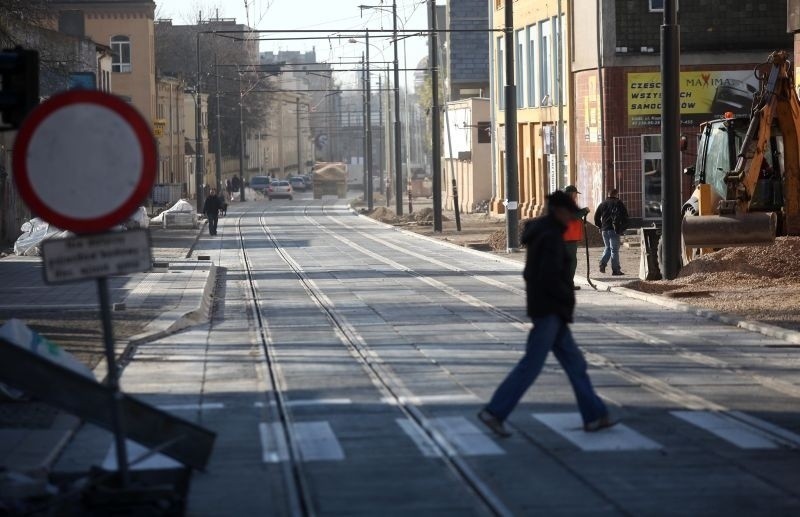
[398, 153]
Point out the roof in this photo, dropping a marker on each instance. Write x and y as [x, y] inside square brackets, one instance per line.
[66, 3]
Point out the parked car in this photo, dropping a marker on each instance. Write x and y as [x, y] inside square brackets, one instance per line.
[298, 183]
[308, 178]
[280, 189]
[260, 183]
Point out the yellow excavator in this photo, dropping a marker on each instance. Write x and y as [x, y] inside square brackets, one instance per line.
[747, 173]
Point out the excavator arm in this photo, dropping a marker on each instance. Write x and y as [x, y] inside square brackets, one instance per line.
[738, 224]
[776, 102]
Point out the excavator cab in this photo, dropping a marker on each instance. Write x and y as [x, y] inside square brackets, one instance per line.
[747, 174]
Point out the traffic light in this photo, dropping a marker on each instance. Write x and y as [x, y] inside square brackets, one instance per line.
[19, 85]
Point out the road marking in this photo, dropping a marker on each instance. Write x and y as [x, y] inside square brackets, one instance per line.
[789, 438]
[733, 431]
[192, 407]
[273, 443]
[617, 438]
[136, 451]
[466, 437]
[315, 441]
[307, 402]
[430, 399]
[420, 439]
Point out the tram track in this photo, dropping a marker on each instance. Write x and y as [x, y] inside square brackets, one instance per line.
[298, 491]
[392, 387]
[386, 382]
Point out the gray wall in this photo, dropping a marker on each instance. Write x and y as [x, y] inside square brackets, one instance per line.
[468, 62]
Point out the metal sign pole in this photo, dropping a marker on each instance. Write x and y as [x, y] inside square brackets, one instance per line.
[113, 381]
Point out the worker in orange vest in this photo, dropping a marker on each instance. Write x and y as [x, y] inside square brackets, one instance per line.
[573, 235]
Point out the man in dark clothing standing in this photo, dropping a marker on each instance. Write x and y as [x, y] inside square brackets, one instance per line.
[551, 303]
[573, 235]
[211, 208]
[612, 219]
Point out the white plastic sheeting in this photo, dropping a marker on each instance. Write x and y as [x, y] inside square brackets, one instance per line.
[181, 205]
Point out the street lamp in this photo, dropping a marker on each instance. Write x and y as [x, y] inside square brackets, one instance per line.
[369, 187]
[398, 161]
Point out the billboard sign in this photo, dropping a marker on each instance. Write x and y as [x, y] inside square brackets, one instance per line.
[704, 95]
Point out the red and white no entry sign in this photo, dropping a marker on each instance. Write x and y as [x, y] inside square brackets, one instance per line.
[84, 161]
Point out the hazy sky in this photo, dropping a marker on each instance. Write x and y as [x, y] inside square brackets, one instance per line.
[340, 15]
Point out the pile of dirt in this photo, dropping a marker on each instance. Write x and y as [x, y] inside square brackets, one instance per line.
[424, 216]
[780, 260]
[384, 215]
[498, 240]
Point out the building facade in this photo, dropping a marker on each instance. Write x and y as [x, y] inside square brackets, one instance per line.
[467, 154]
[616, 85]
[126, 26]
[543, 99]
[467, 53]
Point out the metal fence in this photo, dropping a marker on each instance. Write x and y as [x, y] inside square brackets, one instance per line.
[13, 212]
[628, 172]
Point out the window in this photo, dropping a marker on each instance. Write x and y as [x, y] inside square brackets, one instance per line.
[657, 6]
[651, 175]
[484, 132]
[546, 63]
[533, 99]
[520, 73]
[121, 48]
[500, 75]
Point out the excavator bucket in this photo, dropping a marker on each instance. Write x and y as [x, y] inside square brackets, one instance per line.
[718, 231]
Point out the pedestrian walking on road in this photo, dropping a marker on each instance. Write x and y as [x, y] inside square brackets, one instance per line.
[573, 236]
[612, 219]
[211, 208]
[229, 189]
[236, 184]
[551, 303]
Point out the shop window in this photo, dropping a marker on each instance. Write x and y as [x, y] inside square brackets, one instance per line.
[651, 176]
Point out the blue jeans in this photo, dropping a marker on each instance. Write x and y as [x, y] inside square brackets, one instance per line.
[611, 240]
[548, 333]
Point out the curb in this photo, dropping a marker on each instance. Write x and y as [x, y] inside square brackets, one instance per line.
[167, 324]
[773, 331]
[196, 238]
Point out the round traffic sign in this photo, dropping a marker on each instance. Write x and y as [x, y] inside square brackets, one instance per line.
[84, 161]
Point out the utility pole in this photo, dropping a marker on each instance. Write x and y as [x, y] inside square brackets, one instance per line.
[299, 143]
[559, 98]
[366, 125]
[512, 182]
[436, 128]
[241, 136]
[368, 193]
[382, 159]
[198, 142]
[670, 142]
[398, 152]
[218, 160]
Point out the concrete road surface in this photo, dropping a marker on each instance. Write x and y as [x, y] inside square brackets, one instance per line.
[346, 361]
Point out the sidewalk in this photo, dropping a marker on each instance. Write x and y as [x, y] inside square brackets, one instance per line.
[176, 294]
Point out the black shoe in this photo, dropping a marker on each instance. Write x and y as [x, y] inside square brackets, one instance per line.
[599, 424]
[494, 424]
[602, 268]
[576, 287]
[617, 273]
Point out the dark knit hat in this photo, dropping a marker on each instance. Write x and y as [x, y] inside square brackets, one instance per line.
[563, 200]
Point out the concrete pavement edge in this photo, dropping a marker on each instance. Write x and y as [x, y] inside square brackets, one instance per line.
[790, 336]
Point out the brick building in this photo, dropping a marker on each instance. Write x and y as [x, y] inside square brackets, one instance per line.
[616, 129]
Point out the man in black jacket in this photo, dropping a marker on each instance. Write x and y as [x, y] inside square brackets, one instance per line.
[211, 208]
[551, 303]
[612, 219]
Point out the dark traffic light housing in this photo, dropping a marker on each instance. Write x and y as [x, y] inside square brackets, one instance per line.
[19, 85]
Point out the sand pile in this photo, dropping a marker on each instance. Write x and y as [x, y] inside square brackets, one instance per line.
[780, 260]
[424, 216]
[384, 215]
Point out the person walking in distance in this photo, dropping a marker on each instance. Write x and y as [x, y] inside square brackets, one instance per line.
[612, 219]
[236, 185]
[211, 208]
[573, 236]
[550, 303]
